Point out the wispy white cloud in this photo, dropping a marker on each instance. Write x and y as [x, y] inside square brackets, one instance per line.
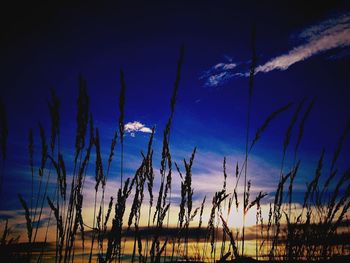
[330, 34]
[219, 73]
[136, 126]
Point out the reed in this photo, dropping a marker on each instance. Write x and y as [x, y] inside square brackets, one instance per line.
[230, 235]
[201, 213]
[135, 212]
[218, 198]
[4, 235]
[293, 121]
[83, 103]
[82, 120]
[286, 143]
[336, 153]
[277, 214]
[302, 126]
[102, 229]
[44, 156]
[27, 216]
[58, 217]
[267, 122]
[74, 218]
[101, 232]
[224, 188]
[114, 237]
[182, 211]
[62, 177]
[59, 223]
[166, 165]
[150, 180]
[99, 178]
[250, 93]
[79, 168]
[121, 123]
[31, 164]
[53, 107]
[189, 194]
[290, 228]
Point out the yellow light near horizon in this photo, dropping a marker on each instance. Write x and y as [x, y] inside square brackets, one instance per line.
[235, 219]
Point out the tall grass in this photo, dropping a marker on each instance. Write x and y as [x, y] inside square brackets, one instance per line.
[305, 237]
[121, 123]
[250, 97]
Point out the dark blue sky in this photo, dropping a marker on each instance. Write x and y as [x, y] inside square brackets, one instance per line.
[48, 46]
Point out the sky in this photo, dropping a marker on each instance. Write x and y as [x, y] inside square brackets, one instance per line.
[303, 51]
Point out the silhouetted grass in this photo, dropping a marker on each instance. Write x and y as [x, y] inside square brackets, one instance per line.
[303, 235]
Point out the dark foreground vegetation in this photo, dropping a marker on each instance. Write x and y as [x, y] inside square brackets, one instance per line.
[313, 233]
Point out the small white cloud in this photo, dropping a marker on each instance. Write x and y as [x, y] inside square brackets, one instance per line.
[136, 126]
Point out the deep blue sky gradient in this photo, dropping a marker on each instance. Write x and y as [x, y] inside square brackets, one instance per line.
[49, 46]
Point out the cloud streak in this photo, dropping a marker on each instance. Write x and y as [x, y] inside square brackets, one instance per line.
[330, 34]
[326, 36]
